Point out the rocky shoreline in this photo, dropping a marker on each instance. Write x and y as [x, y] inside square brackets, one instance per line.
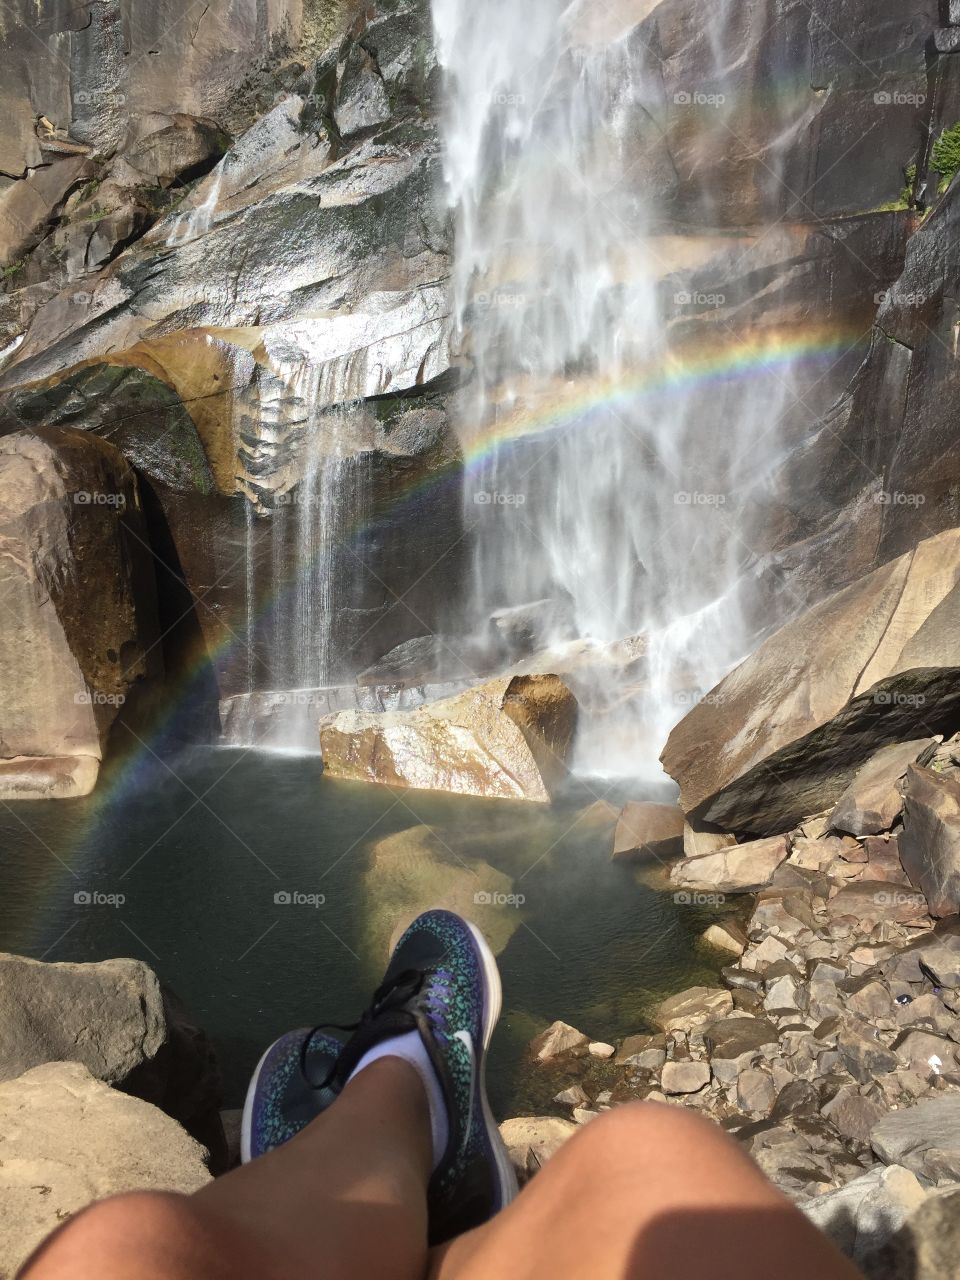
[830, 1051]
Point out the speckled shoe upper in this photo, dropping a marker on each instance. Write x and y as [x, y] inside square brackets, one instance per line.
[284, 1096]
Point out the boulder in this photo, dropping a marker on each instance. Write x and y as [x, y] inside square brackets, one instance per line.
[115, 1019]
[925, 1248]
[864, 1214]
[874, 799]
[508, 738]
[694, 1007]
[727, 936]
[413, 870]
[79, 623]
[789, 727]
[743, 868]
[905, 1136]
[684, 1076]
[67, 1139]
[532, 1140]
[930, 840]
[559, 1038]
[648, 832]
[180, 152]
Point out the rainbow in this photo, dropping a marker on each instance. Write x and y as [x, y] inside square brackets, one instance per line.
[764, 353]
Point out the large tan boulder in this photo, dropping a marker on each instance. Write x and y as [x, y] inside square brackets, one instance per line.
[743, 868]
[782, 736]
[508, 738]
[66, 1140]
[78, 623]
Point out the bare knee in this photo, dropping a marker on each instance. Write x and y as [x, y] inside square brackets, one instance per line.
[141, 1233]
[642, 1139]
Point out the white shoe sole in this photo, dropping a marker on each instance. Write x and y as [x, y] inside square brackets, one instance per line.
[493, 1000]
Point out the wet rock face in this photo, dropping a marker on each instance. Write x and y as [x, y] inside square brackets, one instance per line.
[858, 73]
[789, 727]
[79, 621]
[291, 309]
[930, 842]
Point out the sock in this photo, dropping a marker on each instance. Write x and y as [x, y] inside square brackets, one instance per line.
[411, 1048]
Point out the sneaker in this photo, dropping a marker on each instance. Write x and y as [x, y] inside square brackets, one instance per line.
[288, 1090]
[442, 980]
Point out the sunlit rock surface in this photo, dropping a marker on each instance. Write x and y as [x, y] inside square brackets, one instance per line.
[782, 736]
[507, 738]
[79, 626]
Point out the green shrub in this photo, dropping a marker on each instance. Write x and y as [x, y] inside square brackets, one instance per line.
[945, 157]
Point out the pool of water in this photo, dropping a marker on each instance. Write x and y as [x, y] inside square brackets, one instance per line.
[265, 895]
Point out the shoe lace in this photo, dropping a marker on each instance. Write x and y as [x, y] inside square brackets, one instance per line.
[392, 996]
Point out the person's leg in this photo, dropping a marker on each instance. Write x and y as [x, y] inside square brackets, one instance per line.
[644, 1192]
[347, 1197]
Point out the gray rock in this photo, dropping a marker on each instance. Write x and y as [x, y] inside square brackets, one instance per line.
[925, 1053]
[575, 1096]
[925, 1248]
[523, 629]
[755, 1091]
[727, 936]
[905, 1136]
[854, 1115]
[182, 150]
[532, 1140]
[864, 1057]
[633, 1047]
[67, 1139]
[864, 1214]
[685, 1076]
[648, 832]
[115, 1019]
[930, 841]
[742, 868]
[874, 799]
[733, 1037]
[558, 1039]
[693, 1007]
[840, 675]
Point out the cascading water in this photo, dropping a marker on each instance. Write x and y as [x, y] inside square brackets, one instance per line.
[602, 480]
[293, 570]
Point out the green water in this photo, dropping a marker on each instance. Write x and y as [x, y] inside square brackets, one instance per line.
[198, 846]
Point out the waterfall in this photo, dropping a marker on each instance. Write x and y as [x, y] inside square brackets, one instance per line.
[293, 570]
[600, 482]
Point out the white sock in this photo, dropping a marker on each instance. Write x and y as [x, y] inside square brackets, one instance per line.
[411, 1048]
